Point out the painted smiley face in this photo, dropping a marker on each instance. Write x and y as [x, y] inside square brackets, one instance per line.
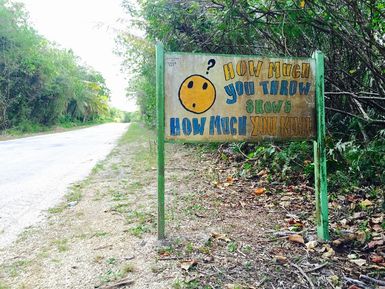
[197, 94]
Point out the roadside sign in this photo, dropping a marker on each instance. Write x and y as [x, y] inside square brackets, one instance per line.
[231, 98]
[224, 98]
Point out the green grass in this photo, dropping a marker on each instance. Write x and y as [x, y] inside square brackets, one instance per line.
[112, 275]
[98, 167]
[139, 230]
[140, 217]
[56, 210]
[75, 193]
[121, 207]
[111, 261]
[134, 186]
[232, 247]
[100, 234]
[4, 286]
[135, 132]
[14, 268]
[128, 268]
[62, 245]
[27, 128]
[119, 196]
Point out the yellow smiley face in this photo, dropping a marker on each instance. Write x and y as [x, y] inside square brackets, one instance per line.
[197, 94]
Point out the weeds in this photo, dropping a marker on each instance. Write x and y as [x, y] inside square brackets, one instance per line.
[14, 268]
[62, 245]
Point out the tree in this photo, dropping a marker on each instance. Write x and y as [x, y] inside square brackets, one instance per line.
[40, 83]
[350, 33]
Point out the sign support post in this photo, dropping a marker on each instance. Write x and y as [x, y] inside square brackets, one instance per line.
[320, 177]
[160, 127]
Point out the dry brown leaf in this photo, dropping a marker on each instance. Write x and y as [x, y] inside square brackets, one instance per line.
[262, 173]
[366, 203]
[280, 259]
[329, 252]
[188, 264]
[259, 191]
[359, 215]
[311, 245]
[164, 254]
[220, 236]
[376, 259]
[361, 236]
[377, 228]
[377, 220]
[343, 222]
[359, 262]
[375, 243]
[296, 239]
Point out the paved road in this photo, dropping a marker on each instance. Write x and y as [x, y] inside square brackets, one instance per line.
[36, 171]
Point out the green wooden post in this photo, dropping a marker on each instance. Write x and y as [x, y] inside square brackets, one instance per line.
[160, 126]
[320, 152]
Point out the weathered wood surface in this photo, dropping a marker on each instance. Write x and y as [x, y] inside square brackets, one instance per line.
[238, 98]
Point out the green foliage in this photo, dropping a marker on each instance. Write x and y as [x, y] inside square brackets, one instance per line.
[350, 33]
[139, 55]
[356, 163]
[40, 84]
[284, 162]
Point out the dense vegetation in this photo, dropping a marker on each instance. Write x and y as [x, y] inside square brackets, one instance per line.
[41, 84]
[350, 33]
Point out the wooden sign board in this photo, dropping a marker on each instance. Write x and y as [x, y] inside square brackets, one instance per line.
[226, 98]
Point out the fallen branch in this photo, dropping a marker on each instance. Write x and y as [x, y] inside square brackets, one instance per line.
[220, 272]
[123, 282]
[309, 188]
[170, 258]
[240, 252]
[288, 233]
[103, 247]
[303, 274]
[378, 282]
[375, 97]
[272, 240]
[376, 121]
[356, 282]
[317, 268]
[260, 283]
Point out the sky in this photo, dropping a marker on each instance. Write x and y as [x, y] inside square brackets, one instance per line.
[88, 27]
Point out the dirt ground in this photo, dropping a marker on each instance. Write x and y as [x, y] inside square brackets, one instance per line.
[223, 230]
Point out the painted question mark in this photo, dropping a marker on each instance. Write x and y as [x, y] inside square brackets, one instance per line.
[211, 64]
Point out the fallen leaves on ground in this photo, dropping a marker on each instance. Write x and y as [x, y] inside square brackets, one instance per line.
[259, 191]
[296, 239]
[188, 264]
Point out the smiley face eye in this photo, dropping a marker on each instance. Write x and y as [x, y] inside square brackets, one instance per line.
[190, 84]
[205, 85]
